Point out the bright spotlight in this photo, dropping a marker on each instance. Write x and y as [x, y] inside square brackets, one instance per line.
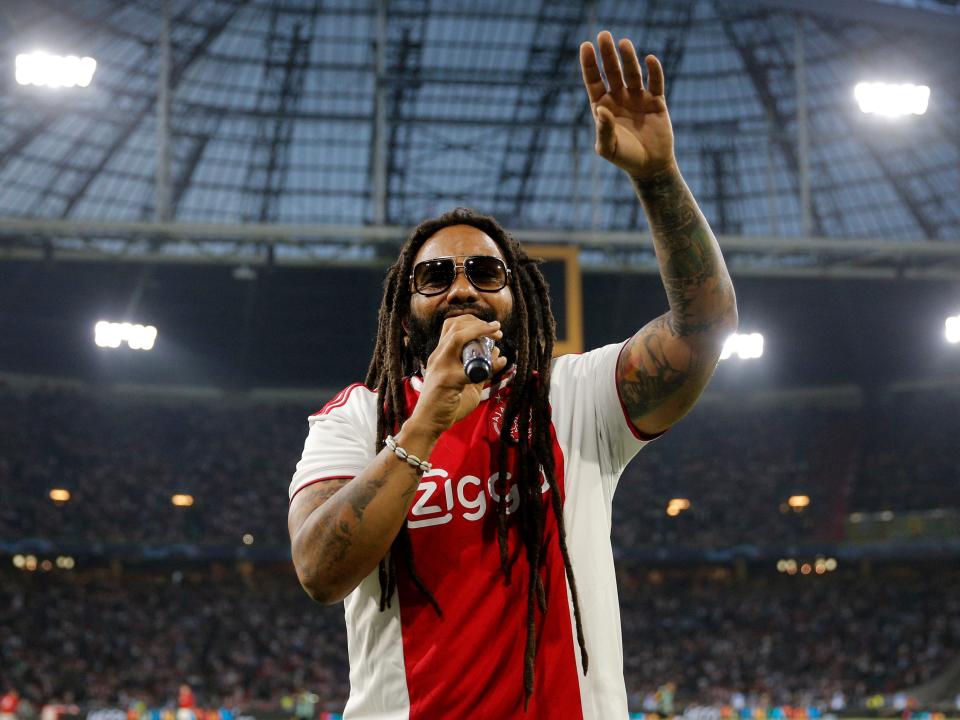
[952, 329]
[54, 71]
[892, 100]
[745, 347]
[60, 495]
[798, 502]
[112, 335]
[182, 500]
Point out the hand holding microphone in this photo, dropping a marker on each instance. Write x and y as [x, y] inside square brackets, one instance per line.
[467, 347]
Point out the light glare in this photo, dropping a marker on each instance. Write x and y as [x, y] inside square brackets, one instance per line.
[677, 506]
[892, 100]
[112, 335]
[60, 495]
[952, 329]
[41, 69]
[745, 347]
[182, 500]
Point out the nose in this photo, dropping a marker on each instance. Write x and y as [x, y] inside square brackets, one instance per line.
[461, 290]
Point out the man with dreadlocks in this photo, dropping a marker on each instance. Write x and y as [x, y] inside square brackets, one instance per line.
[465, 526]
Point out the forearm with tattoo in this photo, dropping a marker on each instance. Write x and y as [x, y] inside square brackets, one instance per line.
[694, 274]
[666, 365]
[340, 529]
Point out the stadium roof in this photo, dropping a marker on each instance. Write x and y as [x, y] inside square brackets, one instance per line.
[311, 130]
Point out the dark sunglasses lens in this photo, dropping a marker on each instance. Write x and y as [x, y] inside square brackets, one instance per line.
[486, 273]
[433, 276]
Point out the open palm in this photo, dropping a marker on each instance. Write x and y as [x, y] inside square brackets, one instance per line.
[633, 126]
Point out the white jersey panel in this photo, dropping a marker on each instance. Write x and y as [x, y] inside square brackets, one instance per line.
[378, 679]
[597, 443]
[341, 438]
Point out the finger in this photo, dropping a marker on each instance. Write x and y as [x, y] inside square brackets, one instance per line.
[456, 336]
[592, 79]
[606, 133]
[611, 62]
[631, 65]
[453, 324]
[655, 75]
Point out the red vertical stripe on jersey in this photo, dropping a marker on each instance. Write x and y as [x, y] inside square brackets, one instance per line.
[470, 662]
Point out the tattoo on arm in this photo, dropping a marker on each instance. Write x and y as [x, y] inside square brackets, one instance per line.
[646, 375]
[694, 274]
[345, 504]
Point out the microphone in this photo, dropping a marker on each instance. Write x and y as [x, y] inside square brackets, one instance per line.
[477, 363]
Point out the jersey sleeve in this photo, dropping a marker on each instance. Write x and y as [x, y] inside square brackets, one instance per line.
[341, 438]
[588, 409]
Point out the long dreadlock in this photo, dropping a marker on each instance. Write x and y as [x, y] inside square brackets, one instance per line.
[527, 405]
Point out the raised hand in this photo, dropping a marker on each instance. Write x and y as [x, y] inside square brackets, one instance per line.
[633, 126]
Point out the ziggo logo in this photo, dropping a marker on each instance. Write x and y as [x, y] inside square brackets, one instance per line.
[469, 496]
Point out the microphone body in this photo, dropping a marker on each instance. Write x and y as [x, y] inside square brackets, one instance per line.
[476, 357]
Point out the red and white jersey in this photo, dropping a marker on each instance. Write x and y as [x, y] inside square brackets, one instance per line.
[407, 662]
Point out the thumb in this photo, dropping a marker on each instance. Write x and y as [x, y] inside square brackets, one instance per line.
[606, 145]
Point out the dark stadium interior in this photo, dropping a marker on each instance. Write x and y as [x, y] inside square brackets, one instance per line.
[313, 327]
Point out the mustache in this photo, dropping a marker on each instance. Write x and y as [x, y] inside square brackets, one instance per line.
[485, 314]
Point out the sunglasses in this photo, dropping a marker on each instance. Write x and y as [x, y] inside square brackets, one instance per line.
[485, 273]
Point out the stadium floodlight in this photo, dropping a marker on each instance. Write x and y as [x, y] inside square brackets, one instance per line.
[745, 347]
[182, 500]
[113, 335]
[54, 71]
[892, 100]
[60, 495]
[952, 329]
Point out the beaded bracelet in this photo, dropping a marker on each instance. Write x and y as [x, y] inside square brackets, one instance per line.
[421, 465]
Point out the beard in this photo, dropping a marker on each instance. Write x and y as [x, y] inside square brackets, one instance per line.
[424, 333]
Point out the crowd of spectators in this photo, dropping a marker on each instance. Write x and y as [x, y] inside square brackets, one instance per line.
[239, 638]
[98, 637]
[738, 467]
[122, 459]
[911, 456]
[789, 638]
[247, 633]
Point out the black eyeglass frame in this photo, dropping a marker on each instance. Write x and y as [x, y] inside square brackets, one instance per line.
[456, 268]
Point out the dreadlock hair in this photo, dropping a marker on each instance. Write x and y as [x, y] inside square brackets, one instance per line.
[527, 405]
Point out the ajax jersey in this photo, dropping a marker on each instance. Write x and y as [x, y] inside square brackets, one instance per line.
[408, 662]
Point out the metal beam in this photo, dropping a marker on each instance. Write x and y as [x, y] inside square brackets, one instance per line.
[871, 12]
[176, 72]
[17, 229]
[549, 46]
[162, 200]
[768, 99]
[378, 153]
[803, 135]
[182, 183]
[896, 180]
